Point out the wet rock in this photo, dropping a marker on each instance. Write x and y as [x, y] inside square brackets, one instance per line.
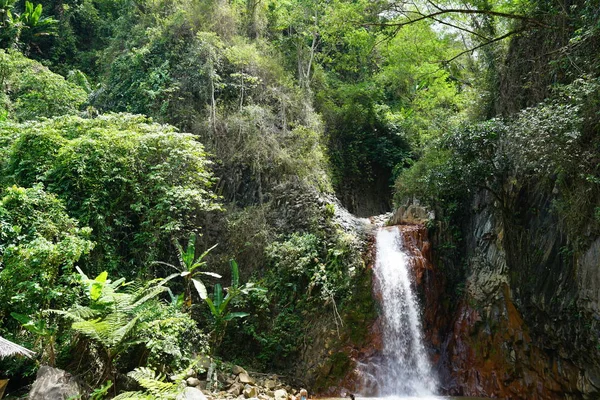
[54, 384]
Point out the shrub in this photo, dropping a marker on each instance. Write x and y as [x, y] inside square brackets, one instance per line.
[135, 183]
[29, 90]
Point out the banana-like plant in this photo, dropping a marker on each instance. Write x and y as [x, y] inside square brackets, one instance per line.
[27, 26]
[219, 304]
[190, 269]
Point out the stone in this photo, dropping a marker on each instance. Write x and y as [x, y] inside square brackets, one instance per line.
[270, 384]
[191, 381]
[280, 394]
[245, 378]
[236, 389]
[191, 393]
[54, 384]
[236, 369]
[250, 391]
[203, 362]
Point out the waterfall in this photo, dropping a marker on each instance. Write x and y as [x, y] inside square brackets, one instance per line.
[402, 367]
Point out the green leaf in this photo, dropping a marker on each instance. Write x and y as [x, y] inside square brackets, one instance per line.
[218, 295]
[200, 288]
[235, 273]
[213, 274]
[233, 315]
[102, 277]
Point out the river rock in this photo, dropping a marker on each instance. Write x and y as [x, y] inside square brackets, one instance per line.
[270, 384]
[191, 381]
[250, 391]
[54, 384]
[236, 389]
[245, 378]
[280, 394]
[191, 393]
[236, 370]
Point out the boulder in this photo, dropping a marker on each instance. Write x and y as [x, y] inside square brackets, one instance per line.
[236, 370]
[236, 389]
[280, 394]
[191, 381]
[270, 384]
[250, 391]
[191, 393]
[245, 378]
[54, 384]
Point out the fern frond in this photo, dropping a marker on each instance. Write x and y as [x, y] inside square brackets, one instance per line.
[155, 383]
[148, 294]
[92, 329]
[134, 396]
[121, 333]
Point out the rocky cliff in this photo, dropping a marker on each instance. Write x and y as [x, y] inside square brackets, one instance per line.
[523, 323]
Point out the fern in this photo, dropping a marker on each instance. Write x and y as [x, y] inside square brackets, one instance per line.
[115, 314]
[155, 386]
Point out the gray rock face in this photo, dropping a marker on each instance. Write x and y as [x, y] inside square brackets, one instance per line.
[54, 384]
[191, 393]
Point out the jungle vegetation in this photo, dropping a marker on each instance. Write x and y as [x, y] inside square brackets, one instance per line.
[137, 135]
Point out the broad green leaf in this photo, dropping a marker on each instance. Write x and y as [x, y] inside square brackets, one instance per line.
[233, 315]
[200, 288]
[102, 277]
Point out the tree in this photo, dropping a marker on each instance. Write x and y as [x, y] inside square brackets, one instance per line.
[137, 184]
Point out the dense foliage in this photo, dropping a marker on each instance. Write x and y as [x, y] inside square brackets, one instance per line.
[135, 183]
[284, 104]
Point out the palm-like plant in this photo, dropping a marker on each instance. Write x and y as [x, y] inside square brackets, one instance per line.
[190, 269]
[219, 304]
[114, 313]
[25, 27]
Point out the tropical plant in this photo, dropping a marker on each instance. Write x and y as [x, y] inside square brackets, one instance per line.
[189, 267]
[137, 184]
[219, 303]
[24, 28]
[45, 333]
[29, 90]
[122, 315]
[156, 385]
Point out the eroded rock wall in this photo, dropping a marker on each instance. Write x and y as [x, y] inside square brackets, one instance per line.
[524, 322]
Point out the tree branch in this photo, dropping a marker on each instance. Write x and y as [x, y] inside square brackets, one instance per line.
[497, 39]
[460, 11]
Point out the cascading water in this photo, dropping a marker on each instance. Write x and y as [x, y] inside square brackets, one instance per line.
[402, 368]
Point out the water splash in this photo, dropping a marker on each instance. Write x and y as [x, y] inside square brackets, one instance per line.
[403, 368]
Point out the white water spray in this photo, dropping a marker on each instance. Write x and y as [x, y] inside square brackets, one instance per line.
[403, 368]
